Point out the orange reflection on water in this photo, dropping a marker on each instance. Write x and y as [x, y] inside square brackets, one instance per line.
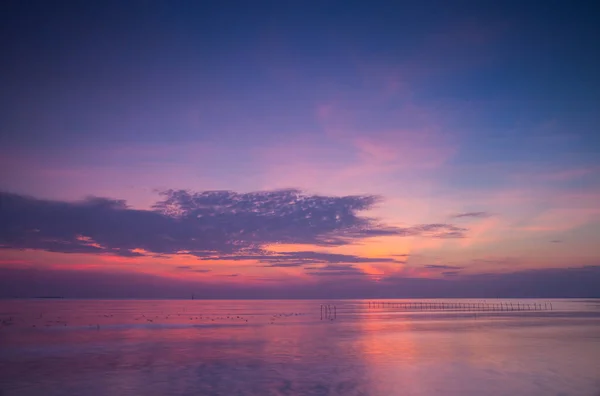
[384, 334]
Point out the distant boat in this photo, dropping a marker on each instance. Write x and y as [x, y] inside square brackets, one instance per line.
[49, 297]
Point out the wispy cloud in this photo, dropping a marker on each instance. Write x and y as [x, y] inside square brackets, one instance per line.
[443, 267]
[434, 231]
[301, 258]
[336, 270]
[499, 260]
[476, 215]
[450, 273]
[192, 269]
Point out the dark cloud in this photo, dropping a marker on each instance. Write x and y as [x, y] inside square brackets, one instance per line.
[434, 231]
[447, 267]
[302, 258]
[555, 241]
[338, 267]
[337, 273]
[128, 253]
[192, 269]
[505, 260]
[336, 270]
[287, 264]
[476, 215]
[451, 273]
[208, 224]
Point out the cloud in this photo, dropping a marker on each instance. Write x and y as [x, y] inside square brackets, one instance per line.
[207, 225]
[556, 241]
[448, 267]
[451, 273]
[434, 231]
[502, 260]
[287, 264]
[192, 269]
[214, 222]
[336, 270]
[302, 258]
[475, 215]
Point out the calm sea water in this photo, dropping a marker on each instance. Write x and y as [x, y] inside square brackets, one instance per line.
[157, 347]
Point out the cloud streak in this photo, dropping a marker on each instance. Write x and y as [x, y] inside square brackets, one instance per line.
[473, 215]
[443, 267]
[336, 270]
[302, 258]
[192, 269]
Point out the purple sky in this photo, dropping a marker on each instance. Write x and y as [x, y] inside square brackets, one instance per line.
[299, 149]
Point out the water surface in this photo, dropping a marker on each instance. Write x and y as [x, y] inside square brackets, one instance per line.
[194, 347]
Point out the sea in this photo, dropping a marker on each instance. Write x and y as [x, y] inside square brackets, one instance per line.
[300, 347]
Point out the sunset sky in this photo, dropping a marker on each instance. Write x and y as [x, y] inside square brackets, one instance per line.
[299, 148]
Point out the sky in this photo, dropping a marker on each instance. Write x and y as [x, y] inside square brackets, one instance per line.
[299, 149]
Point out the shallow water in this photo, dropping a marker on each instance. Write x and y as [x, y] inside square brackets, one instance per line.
[175, 347]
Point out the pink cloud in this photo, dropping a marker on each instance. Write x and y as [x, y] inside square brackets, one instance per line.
[405, 149]
[10, 262]
[483, 231]
[408, 137]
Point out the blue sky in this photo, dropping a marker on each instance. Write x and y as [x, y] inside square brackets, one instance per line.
[436, 108]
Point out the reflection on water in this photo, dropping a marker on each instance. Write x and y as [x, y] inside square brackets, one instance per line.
[76, 347]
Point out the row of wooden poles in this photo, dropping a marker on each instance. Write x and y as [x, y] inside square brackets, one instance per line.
[328, 312]
[460, 306]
